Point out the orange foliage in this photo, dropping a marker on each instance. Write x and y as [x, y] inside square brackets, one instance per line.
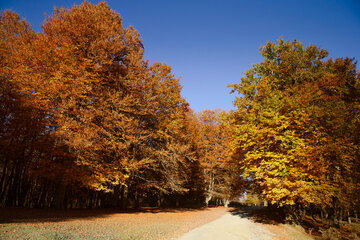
[296, 127]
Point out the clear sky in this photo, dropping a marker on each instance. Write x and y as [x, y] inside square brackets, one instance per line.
[209, 44]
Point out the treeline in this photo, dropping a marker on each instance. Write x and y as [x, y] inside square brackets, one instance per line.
[86, 121]
[296, 131]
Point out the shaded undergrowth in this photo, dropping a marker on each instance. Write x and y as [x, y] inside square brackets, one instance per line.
[260, 214]
[316, 229]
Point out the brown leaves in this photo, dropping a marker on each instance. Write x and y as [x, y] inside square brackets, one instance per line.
[98, 97]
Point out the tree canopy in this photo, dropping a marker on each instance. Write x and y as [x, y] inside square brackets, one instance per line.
[295, 127]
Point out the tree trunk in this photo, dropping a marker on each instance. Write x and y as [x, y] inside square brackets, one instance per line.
[348, 217]
[356, 215]
[324, 215]
[59, 201]
[226, 202]
[160, 201]
[124, 197]
[207, 199]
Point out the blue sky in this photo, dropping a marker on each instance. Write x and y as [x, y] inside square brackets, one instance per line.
[209, 44]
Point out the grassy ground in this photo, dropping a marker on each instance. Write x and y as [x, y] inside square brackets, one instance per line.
[102, 224]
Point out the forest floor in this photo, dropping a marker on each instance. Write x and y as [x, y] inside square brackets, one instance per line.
[96, 224]
[182, 223]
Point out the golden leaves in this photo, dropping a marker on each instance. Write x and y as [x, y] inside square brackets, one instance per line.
[293, 122]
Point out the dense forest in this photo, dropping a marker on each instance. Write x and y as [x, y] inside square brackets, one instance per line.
[87, 122]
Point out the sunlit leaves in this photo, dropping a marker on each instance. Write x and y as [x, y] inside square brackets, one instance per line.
[294, 125]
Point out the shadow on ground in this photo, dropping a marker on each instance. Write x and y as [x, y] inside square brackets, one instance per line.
[313, 227]
[259, 214]
[33, 215]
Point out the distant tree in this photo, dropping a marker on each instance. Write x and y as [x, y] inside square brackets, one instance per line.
[219, 170]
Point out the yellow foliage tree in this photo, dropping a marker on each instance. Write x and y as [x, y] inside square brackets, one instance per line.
[293, 130]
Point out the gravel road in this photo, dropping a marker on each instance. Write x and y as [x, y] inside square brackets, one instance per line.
[229, 227]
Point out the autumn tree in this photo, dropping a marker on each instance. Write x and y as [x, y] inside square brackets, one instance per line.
[293, 130]
[106, 125]
[19, 123]
[219, 170]
[167, 147]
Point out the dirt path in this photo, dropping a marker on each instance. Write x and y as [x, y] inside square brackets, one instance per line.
[230, 227]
